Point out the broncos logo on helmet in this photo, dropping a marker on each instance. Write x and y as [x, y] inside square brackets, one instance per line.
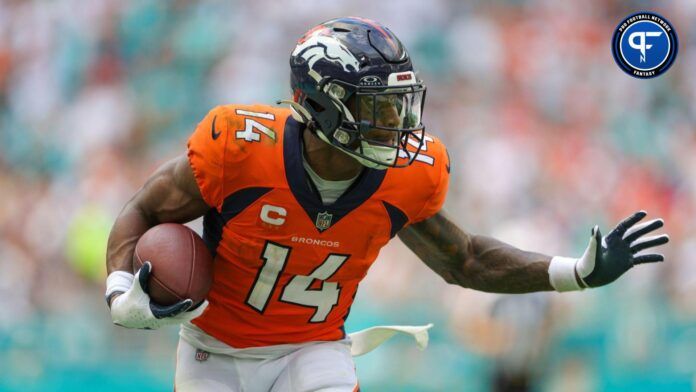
[318, 46]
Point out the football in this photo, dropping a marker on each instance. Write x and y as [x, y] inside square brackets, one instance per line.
[182, 266]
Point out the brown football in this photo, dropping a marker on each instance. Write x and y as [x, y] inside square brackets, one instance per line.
[182, 266]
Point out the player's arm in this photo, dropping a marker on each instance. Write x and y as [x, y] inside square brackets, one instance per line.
[169, 195]
[486, 264]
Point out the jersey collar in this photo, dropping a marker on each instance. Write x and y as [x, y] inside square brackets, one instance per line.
[324, 217]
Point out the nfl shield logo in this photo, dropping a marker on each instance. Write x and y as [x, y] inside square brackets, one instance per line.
[323, 221]
[201, 355]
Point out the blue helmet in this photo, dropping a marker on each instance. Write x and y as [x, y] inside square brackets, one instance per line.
[354, 86]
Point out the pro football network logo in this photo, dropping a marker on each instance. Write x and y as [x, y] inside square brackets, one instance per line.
[645, 45]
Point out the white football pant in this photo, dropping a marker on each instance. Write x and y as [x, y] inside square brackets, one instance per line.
[316, 366]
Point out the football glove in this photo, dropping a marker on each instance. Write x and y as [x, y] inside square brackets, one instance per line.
[606, 258]
[134, 309]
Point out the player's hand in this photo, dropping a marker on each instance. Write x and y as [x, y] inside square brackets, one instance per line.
[607, 258]
[134, 309]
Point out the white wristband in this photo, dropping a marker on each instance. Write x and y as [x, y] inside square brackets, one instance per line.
[562, 274]
[118, 281]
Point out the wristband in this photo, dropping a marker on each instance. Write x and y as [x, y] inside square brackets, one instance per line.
[118, 281]
[562, 274]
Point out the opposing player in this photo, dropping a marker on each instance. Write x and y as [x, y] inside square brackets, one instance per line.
[297, 204]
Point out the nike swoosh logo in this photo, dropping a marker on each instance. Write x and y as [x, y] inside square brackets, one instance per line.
[212, 129]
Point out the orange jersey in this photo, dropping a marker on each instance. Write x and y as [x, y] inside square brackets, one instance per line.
[287, 267]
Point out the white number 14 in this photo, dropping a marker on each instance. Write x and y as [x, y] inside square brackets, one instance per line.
[250, 125]
[297, 291]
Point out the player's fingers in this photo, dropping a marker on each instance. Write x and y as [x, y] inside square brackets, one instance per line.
[649, 242]
[144, 276]
[627, 223]
[160, 311]
[644, 228]
[651, 258]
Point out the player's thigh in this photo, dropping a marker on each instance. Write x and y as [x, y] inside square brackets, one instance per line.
[201, 371]
[326, 366]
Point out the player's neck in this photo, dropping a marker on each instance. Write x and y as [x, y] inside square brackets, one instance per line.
[327, 161]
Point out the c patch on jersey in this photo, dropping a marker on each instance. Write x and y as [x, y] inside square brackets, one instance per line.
[273, 215]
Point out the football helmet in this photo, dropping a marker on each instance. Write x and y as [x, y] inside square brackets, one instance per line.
[354, 86]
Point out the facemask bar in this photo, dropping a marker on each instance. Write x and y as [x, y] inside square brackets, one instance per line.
[354, 132]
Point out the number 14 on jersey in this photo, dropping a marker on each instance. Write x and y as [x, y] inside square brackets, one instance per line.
[297, 291]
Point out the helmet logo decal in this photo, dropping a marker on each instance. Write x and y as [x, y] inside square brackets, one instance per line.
[370, 81]
[319, 47]
[401, 79]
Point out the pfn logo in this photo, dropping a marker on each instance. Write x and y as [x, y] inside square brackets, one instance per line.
[644, 45]
[641, 45]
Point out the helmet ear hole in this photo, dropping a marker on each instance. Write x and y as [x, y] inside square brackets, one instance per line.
[323, 112]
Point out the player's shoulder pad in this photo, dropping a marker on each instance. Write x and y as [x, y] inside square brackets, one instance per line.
[228, 136]
[435, 170]
[434, 155]
[231, 132]
[431, 166]
[419, 190]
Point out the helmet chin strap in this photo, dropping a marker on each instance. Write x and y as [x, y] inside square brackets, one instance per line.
[382, 154]
[379, 153]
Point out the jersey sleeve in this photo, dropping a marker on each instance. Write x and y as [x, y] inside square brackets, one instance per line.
[206, 154]
[434, 202]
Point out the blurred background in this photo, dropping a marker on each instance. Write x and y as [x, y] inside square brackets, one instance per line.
[547, 137]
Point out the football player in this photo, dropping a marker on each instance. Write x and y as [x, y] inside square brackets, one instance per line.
[298, 201]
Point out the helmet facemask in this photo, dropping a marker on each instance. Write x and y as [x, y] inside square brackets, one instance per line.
[377, 124]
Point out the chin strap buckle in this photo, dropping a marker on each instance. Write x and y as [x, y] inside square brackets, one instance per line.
[342, 136]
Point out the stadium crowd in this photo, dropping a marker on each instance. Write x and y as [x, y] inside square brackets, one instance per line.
[546, 134]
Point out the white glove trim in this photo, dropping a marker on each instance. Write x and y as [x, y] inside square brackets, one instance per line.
[118, 281]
